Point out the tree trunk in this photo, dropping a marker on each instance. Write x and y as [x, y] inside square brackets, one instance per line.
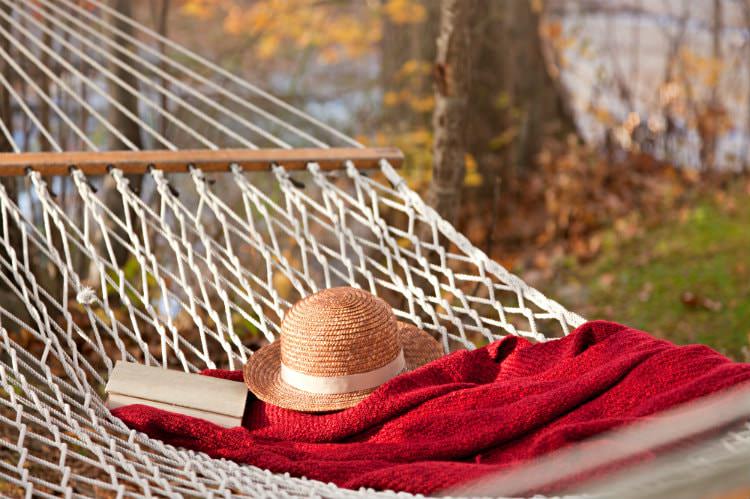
[129, 129]
[399, 44]
[517, 100]
[453, 72]
[711, 117]
[8, 299]
[745, 145]
[161, 18]
[44, 83]
[125, 125]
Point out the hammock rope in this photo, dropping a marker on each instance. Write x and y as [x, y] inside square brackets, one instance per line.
[204, 273]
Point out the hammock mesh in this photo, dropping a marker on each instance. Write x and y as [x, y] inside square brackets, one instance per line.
[191, 269]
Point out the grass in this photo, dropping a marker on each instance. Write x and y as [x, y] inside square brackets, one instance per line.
[687, 279]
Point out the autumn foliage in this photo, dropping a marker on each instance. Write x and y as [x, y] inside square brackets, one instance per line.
[583, 129]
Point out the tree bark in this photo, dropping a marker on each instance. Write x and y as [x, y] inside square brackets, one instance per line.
[129, 129]
[44, 83]
[745, 145]
[517, 100]
[710, 120]
[399, 44]
[162, 18]
[453, 74]
[125, 125]
[8, 299]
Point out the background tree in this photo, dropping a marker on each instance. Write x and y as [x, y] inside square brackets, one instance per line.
[590, 122]
[745, 155]
[515, 101]
[10, 184]
[129, 128]
[453, 73]
[160, 14]
[407, 54]
[712, 112]
[124, 124]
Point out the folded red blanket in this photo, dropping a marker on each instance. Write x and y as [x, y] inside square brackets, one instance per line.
[467, 414]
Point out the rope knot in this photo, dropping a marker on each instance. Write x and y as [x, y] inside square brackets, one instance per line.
[86, 296]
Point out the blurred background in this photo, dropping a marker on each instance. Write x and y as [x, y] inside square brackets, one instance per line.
[604, 145]
[607, 141]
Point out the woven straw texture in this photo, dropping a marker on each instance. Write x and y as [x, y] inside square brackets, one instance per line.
[207, 271]
[335, 332]
[324, 334]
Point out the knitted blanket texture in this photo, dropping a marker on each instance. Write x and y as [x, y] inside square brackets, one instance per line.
[466, 414]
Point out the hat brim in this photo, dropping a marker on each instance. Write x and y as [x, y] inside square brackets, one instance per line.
[263, 378]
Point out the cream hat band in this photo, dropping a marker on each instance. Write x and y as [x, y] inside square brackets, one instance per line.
[335, 347]
[343, 384]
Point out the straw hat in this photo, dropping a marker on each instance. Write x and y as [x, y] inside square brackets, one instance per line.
[336, 346]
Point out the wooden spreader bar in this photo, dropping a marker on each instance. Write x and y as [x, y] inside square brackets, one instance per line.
[139, 162]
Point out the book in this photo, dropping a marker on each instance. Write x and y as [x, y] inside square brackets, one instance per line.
[217, 400]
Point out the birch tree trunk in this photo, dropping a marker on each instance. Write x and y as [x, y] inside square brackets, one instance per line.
[453, 72]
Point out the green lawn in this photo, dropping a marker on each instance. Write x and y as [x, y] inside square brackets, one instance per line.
[687, 280]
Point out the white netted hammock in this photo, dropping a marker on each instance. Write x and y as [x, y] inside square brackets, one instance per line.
[210, 259]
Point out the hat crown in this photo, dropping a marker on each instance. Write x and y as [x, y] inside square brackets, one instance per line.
[337, 332]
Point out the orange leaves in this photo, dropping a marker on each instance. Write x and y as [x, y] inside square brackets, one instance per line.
[574, 201]
[707, 68]
[552, 30]
[602, 114]
[268, 46]
[631, 121]
[537, 6]
[405, 11]
[421, 137]
[712, 120]
[693, 300]
[335, 32]
[413, 67]
[417, 146]
[472, 177]
[670, 92]
[258, 18]
[391, 99]
[286, 27]
[202, 9]
[418, 103]
[422, 104]
[554, 34]
[694, 96]
[411, 78]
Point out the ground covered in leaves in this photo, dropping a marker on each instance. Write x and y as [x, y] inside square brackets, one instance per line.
[633, 240]
[686, 279]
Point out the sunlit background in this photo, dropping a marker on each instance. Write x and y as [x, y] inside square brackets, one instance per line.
[608, 141]
[635, 211]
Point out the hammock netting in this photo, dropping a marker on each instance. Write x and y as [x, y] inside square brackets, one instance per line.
[187, 271]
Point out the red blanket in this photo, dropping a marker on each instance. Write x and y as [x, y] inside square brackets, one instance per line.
[464, 415]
